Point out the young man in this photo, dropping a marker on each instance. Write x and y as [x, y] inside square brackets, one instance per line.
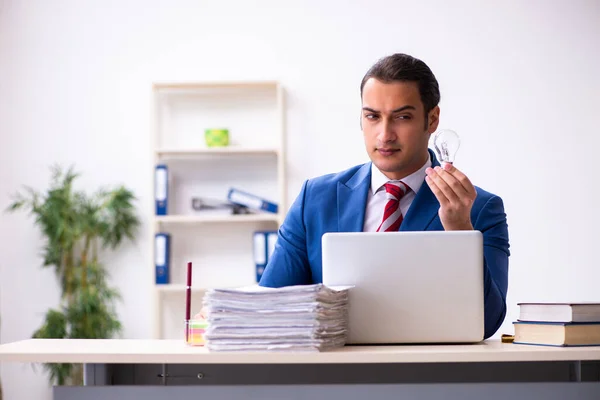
[402, 188]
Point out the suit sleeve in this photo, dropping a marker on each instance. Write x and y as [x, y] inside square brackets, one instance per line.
[491, 221]
[289, 264]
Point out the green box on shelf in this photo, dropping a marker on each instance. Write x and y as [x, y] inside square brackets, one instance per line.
[216, 137]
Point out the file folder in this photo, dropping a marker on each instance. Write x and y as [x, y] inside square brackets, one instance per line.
[264, 245]
[162, 252]
[161, 189]
[260, 253]
[251, 201]
[271, 240]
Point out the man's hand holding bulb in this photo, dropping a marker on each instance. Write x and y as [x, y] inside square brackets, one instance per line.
[451, 187]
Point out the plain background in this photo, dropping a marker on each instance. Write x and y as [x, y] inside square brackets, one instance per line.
[519, 83]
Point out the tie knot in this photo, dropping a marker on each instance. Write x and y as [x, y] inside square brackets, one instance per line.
[396, 189]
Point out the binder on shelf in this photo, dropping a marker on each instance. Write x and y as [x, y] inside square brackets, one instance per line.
[260, 253]
[161, 189]
[251, 201]
[271, 240]
[264, 244]
[162, 252]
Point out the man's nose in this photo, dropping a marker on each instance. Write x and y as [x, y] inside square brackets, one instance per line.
[386, 133]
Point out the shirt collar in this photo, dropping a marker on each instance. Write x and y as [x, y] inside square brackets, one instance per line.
[413, 181]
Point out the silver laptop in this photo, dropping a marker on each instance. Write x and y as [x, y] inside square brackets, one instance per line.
[409, 287]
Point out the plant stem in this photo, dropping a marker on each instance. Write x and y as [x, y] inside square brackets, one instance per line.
[69, 272]
[84, 275]
[77, 375]
[66, 274]
[84, 262]
[95, 252]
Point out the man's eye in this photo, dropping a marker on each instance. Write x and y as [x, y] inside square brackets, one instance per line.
[403, 117]
[371, 116]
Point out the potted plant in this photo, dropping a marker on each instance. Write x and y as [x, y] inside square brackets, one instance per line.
[77, 227]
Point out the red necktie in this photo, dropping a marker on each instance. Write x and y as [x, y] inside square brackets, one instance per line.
[392, 216]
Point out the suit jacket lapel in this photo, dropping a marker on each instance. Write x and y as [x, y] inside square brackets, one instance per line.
[424, 207]
[352, 200]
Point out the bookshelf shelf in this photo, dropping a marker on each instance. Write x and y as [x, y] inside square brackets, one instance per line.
[199, 86]
[177, 288]
[180, 289]
[227, 218]
[220, 245]
[216, 151]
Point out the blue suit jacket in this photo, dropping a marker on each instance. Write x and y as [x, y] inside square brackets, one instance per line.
[337, 203]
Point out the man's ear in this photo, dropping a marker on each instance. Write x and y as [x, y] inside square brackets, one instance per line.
[434, 119]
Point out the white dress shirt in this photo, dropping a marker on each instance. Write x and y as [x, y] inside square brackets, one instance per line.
[376, 198]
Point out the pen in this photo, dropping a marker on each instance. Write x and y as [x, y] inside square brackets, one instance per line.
[188, 300]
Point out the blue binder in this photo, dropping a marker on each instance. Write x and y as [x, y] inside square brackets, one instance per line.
[162, 253]
[260, 253]
[161, 189]
[264, 244]
[271, 240]
[251, 201]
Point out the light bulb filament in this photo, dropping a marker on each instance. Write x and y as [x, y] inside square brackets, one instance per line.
[445, 152]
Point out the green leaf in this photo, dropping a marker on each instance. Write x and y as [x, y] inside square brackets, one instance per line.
[54, 327]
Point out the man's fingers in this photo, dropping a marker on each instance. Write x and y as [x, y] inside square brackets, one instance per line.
[460, 177]
[436, 191]
[452, 182]
[443, 186]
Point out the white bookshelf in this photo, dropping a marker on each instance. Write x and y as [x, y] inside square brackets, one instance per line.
[218, 243]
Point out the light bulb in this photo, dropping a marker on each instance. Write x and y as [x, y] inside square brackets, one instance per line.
[446, 143]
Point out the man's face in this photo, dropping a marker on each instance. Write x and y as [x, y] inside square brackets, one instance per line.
[393, 124]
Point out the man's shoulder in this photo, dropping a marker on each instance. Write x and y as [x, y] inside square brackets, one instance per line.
[484, 196]
[360, 171]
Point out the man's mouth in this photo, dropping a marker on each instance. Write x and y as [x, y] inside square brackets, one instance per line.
[387, 151]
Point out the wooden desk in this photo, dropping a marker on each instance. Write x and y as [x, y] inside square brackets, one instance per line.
[151, 368]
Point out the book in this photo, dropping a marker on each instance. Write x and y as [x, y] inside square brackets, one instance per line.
[557, 333]
[559, 312]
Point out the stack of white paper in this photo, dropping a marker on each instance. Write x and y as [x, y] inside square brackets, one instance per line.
[307, 318]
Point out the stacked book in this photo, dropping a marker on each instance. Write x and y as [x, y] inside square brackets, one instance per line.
[297, 318]
[558, 324]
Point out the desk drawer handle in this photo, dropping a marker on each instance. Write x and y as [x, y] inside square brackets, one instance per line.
[200, 375]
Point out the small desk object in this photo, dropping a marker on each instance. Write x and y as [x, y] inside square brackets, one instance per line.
[158, 369]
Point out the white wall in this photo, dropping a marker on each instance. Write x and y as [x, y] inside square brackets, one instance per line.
[518, 82]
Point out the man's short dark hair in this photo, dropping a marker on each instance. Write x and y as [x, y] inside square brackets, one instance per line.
[404, 68]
